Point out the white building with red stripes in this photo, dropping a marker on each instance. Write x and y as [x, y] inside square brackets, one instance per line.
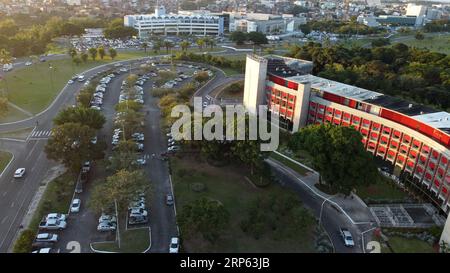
[414, 138]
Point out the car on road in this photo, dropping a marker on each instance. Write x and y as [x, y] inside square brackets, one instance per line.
[46, 237]
[141, 161]
[19, 173]
[106, 226]
[347, 237]
[75, 207]
[70, 82]
[173, 148]
[81, 78]
[52, 224]
[28, 63]
[169, 199]
[174, 245]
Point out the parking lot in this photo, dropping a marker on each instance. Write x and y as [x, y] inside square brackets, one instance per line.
[82, 226]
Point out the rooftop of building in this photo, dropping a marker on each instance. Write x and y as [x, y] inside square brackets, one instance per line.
[428, 115]
[287, 67]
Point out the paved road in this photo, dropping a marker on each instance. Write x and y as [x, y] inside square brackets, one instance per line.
[331, 217]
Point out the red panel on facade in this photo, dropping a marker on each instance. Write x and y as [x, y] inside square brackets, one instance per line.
[428, 176]
[374, 135]
[410, 163]
[406, 138]
[437, 183]
[435, 154]
[444, 160]
[386, 130]
[444, 190]
[419, 169]
[292, 85]
[364, 132]
[333, 97]
[400, 158]
[425, 149]
[381, 149]
[392, 153]
[432, 165]
[416, 143]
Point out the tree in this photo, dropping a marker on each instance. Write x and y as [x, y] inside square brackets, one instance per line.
[5, 57]
[71, 145]
[124, 156]
[419, 36]
[71, 29]
[144, 45]
[238, 37]
[112, 53]
[257, 38]
[338, 155]
[76, 61]
[122, 187]
[168, 45]
[200, 42]
[87, 116]
[85, 95]
[204, 216]
[93, 52]
[72, 52]
[101, 52]
[25, 241]
[84, 57]
[157, 45]
[116, 30]
[185, 45]
[201, 76]
[381, 42]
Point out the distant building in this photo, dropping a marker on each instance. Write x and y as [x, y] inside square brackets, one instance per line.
[174, 24]
[415, 10]
[90, 33]
[267, 23]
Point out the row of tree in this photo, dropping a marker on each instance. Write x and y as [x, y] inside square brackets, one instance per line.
[92, 52]
[398, 70]
[256, 38]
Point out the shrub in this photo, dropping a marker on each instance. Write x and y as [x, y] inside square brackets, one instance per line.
[24, 242]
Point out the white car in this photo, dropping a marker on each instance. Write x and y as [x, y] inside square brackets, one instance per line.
[28, 63]
[347, 237]
[107, 218]
[70, 82]
[174, 245]
[106, 226]
[138, 212]
[75, 207]
[46, 237]
[56, 216]
[43, 250]
[19, 173]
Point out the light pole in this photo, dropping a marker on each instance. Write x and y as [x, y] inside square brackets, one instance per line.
[51, 76]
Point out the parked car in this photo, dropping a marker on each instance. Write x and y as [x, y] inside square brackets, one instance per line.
[138, 212]
[56, 216]
[52, 225]
[41, 245]
[43, 250]
[75, 207]
[19, 173]
[107, 218]
[136, 220]
[106, 226]
[174, 245]
[46, 237]
[347, 237]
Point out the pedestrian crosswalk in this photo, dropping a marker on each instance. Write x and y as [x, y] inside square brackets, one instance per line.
[41, 134]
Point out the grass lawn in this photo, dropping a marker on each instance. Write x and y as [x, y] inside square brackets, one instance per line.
[56, 198]
[230, 71]
[13, 114]
[405, 245]
[228, 185]
[132, 241]
[433, 41]
[19, 134]
[299, 169]
[5, 157]
[382, 189]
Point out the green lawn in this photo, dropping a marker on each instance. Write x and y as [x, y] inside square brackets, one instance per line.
[13, 114]
[5, 157]
[132, 241]
[433, 41]
[231, 71]
[228, 185]
[19, 134]
[405, 245]
[383, 189]
[299, 169]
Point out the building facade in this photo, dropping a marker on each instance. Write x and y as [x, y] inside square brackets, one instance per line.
[412, 138]
[161, 23]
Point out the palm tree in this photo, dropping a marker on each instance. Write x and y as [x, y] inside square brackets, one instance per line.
[144, 45]
[157, 45]
[112, 53]
[93, 53]
[72, 52]
[168, 45]
[185, 45]
[101, 52]
[200, 43]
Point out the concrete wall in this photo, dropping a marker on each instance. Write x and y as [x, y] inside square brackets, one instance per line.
[254, 86]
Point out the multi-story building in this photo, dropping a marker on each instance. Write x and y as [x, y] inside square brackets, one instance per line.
[413, 138]
[173, 24]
